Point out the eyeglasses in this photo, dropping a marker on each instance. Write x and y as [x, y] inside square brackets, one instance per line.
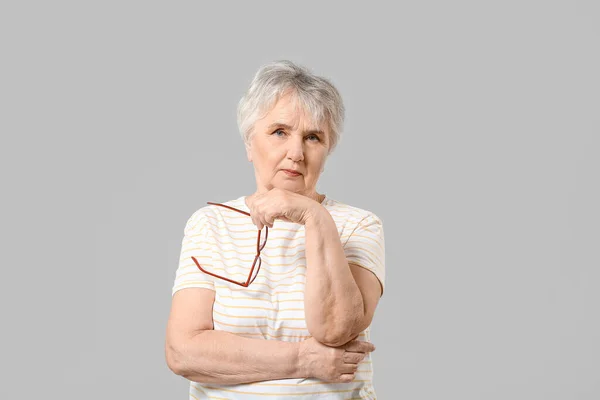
[252, 275]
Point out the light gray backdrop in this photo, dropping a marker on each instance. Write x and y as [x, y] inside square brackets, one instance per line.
[472, 131]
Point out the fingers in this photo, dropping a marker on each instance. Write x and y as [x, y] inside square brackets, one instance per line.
[353, 358]
[359, 346]
[260, 217]
[261, 220]
[348, 369]
[256, 217]
[269, 220]
[266, 207]
[258, 222]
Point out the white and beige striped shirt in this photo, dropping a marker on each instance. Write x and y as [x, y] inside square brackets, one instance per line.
[272, 307]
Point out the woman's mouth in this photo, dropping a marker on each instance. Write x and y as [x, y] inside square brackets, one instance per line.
[289, 172]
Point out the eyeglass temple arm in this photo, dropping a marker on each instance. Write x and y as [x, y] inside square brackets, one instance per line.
[217, 276]
[247, 283]
[231, 208]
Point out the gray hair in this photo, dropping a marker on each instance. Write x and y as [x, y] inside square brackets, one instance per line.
[316, 94]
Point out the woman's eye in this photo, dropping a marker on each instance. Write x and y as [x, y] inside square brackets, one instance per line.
[313, 138]
[276, 133]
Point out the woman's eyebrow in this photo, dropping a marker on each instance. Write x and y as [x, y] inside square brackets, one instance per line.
[286, 126]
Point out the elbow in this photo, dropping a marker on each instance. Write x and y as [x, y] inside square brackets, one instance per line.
[172, 359]
[340, 334]
[181, 364]
[334, 340]
[337, 326]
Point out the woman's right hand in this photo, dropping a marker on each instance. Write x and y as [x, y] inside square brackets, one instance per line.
[332, 364]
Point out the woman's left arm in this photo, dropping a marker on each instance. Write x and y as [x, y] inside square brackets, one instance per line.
[339, 297]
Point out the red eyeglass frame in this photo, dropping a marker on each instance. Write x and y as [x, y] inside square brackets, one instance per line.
[257, 257]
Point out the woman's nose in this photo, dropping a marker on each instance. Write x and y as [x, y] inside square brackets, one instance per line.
[295, 151]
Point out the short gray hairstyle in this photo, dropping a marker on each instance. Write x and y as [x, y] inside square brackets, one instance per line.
[316, 94]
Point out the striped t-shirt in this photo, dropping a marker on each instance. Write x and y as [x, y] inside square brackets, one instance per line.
[224, 242]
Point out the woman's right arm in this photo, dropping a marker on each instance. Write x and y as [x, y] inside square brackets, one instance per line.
[197, 352]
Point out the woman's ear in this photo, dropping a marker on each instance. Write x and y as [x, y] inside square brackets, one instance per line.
[248, 152]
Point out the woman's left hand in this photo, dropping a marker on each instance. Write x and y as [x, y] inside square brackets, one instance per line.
[281, 204]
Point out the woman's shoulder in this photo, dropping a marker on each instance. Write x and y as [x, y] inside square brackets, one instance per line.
[211, 213]
[338, 208]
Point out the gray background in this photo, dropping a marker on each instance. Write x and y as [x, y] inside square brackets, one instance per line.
[472, 131]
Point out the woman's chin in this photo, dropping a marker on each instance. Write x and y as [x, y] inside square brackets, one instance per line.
[289, 185]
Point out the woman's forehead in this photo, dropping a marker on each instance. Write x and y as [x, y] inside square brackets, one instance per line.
[291, 112]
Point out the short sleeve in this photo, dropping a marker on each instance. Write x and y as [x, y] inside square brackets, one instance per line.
[196, 243]
[366, 247]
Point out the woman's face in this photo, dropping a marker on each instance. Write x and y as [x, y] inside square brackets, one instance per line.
[287, 139]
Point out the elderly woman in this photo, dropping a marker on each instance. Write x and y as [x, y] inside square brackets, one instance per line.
[275, 291]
